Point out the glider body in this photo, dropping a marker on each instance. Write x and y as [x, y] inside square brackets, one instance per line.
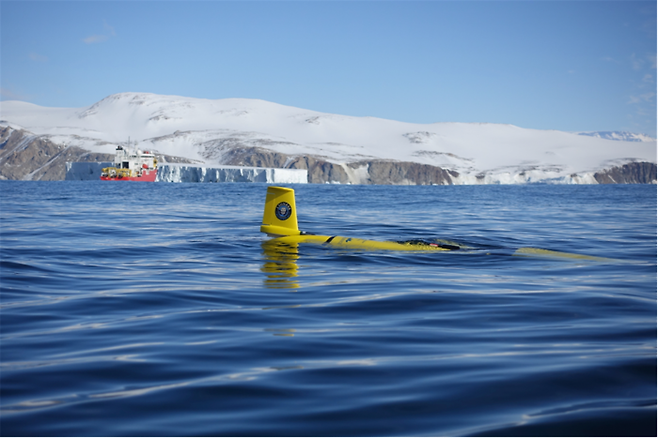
[280, 222]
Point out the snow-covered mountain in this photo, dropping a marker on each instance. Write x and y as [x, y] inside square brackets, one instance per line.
[333, 147]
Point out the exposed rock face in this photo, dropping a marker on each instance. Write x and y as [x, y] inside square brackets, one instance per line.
[254, 157]
[26, 156]
[406, 173]
[319, 170]
[631, 173]
[361, 172]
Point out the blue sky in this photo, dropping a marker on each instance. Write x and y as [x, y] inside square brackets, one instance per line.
[565, 65]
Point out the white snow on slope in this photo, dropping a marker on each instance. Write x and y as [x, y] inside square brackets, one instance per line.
[194, 128]
[618, 135]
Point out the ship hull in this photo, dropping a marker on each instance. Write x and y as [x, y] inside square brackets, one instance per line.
[147, 176]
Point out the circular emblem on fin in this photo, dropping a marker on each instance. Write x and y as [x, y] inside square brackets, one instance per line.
[283, 211]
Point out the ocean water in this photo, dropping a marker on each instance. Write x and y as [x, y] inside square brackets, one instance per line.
[159, 309]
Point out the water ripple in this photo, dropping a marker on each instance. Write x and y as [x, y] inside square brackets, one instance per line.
[174, 316]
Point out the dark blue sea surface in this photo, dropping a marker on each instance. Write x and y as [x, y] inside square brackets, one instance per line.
[160, 309]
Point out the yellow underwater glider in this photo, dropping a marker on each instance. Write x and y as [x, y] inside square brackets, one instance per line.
[280, 222]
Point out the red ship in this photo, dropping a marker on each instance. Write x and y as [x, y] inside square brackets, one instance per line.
[131, 165]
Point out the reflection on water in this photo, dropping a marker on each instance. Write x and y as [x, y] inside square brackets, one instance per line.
[282, 332]
[280, 265]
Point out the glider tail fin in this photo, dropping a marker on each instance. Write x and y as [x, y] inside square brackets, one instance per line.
[280, 214]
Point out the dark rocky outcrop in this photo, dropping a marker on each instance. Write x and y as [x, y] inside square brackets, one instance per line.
[253, 157]
[406, 173]
[24, 155]
[631, 173]
[319, 170]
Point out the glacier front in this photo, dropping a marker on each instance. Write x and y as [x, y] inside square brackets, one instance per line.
[189, 173]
